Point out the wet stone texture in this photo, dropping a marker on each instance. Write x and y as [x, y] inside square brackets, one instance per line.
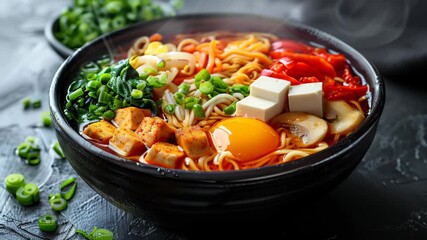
[384, 198]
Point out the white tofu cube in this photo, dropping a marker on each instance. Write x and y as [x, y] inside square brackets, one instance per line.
[271, 89]
[307, 97]
[257, 108]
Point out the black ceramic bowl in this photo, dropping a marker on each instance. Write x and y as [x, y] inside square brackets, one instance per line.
[180, 199]
[49, 32]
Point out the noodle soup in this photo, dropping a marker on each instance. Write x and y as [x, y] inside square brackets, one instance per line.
[218, 101]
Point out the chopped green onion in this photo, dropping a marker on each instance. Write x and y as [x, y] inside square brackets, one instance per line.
[169, 108]
[13, 182]
[198, 111]
[53, 196]
[70, 193]
[230, 109]
[46, 119]
[143, 75]
[161, 64]
[36, 103]
[190, 101]
[104, 97]
[206, 87]
[102, 234]
[33, 158]
[136, 94]
[57, 148]
[219, 84]
[93, 85]
[104, 78]
[28, 195]
[184, 88]
[29, 150]
[141, 85]
[156, 82]
[202, 75]
[26, 102]
[97, 234]
[108, 115]
[75, 94]
[150, 71]
[23, 149]
[179, 96]
[58, 204]
[47, 223]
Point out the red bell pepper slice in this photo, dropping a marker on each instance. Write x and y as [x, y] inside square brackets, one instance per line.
[317, 62]
[280, 75]
[334, 91]
[292, 46]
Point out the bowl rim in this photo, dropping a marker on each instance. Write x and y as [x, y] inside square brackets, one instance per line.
[253, 174]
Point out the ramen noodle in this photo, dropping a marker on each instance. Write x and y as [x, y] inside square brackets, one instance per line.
[218, 101]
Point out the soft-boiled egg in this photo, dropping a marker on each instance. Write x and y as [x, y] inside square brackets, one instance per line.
[246, 138]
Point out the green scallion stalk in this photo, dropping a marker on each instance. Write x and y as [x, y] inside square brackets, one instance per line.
[58, 204]
[169, 108]
[47, 223]
[230, 109]
[75, 94]
[206, 87]
[198, 111]
[26, 102]
[37, 103]
[69, 184]
[28, 195]
[13, 182]
[179, 97]
[184, 88]
[58, 150]
[136, 94]
[46, 119]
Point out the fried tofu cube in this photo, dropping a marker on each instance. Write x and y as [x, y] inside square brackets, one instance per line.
[193, 140]
[130, 117]
[164, 154]
[101, 131]
[126, 143]
[153, 130]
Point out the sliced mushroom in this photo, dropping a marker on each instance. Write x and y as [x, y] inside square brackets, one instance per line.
[309, 128]
[342, 117]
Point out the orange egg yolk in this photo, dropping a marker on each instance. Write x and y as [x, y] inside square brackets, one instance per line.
[246, 138]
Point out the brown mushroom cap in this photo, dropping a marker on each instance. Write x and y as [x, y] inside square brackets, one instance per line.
[342, 117]
[309, 128]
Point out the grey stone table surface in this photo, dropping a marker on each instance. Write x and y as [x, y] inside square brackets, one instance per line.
[384, 198]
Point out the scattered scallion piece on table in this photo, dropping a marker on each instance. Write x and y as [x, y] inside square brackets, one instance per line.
[58, 204]
[97, 234]
[37, 103]
[28, 195]
[47, 223]
[69, 184]
[26, 102]
[58, 150]
[46, 119]
[13, 182]
[29, 150]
